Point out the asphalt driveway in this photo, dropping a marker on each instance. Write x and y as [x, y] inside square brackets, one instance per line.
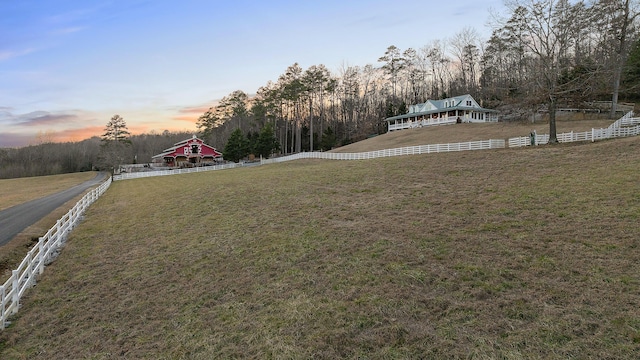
[17, 218]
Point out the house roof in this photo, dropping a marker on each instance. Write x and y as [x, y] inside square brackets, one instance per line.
[448, 104]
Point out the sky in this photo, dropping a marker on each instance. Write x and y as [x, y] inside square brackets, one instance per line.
[68, 66]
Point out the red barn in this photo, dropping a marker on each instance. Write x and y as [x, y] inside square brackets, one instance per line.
[190, 152]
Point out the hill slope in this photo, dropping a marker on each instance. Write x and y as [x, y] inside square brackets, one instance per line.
[526, 253]
[465, 132]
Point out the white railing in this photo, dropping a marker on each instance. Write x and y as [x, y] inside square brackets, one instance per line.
[626, 120]
[440, 121]
[409, 150]
[142, 174]
[594, 134]
[421, 123]
[623, 121]
[47, 249]
[621, 128]
[599, 134]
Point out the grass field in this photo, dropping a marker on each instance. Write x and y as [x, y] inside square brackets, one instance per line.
[528, 253]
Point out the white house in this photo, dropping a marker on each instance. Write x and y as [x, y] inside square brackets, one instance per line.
[458, 109]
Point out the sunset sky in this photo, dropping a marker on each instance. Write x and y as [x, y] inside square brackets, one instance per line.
[67, 66]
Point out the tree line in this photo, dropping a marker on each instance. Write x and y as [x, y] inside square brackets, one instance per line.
[542, 55]
[95, 153]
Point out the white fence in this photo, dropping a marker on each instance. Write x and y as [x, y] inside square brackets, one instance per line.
[421, 123]
[621, 128]
[142, 174]
[33, 264]
[447, 120]
[409, 150]
[618, 129]
[627, 120]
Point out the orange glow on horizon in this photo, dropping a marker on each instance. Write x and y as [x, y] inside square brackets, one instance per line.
[182, 120]
[73, 135]
[76, 135]
[192, 114]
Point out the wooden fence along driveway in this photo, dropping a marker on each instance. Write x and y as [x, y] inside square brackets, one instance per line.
[33, 264]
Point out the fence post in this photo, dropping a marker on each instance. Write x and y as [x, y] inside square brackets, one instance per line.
[58, 232]
[15, 287]
[41, 255]
[2, 307]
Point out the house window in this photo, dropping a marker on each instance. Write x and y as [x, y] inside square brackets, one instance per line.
[468, 102]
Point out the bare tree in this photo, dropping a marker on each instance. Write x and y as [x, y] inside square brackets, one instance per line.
[435, 52]
[316, 80]
[464, 46]
[617, 20]
[546, 24]
[292, 91]
[394, 63]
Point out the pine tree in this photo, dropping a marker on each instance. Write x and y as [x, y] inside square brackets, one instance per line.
[116, 145]
[328, 139]
[266, 142]
[116, 130]
[237, 147]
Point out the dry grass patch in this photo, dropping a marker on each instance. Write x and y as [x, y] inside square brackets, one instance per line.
[21, 190]
[529, 253]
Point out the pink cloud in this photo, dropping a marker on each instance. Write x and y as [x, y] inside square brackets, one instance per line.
[192, 113]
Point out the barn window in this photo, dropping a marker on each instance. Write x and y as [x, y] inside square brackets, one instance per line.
[194, 149]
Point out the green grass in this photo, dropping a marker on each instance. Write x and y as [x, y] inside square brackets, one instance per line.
[386, 259]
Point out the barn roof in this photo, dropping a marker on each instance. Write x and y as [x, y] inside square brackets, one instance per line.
[180, 144]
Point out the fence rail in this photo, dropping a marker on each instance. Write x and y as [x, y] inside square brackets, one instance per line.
[142, 174]
[621, 128]
[626, 120]
[421, 123]
[47, 249]
[617, 129]
[409, 150]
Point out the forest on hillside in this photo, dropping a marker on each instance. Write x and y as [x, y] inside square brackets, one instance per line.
[541, 56]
